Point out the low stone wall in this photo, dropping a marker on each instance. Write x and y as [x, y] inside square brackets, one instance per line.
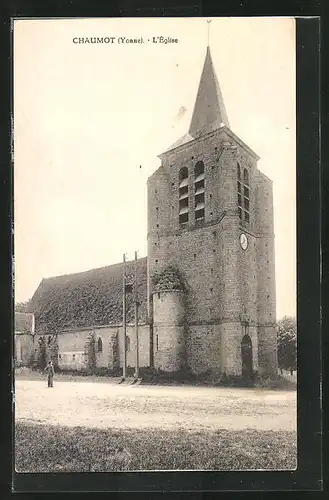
[24, 349]
[93, 350]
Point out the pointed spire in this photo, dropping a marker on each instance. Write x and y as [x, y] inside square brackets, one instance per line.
[209, 109]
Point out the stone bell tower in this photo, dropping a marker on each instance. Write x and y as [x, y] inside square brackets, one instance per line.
[210, 218]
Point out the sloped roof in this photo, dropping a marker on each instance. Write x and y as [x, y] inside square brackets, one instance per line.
[24, 322]
[90, 298]
[223, 129]
[182, 140]
[209, 111]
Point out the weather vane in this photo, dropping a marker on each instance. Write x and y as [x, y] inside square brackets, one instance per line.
[208, 31]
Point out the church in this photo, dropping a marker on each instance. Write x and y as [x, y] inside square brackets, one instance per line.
[206, 290]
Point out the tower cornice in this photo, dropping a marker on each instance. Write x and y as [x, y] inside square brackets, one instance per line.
[223, 128]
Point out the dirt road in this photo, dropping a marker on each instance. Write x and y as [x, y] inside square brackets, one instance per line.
[101, 405]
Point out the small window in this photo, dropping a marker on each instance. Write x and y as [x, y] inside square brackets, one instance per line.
[157, 225]
[73, 357]
[194, 255]
[157, 342]
[99, 345]
[156, 261]
[127, 343]
[157, 209]
[158, 295]
[239, 171]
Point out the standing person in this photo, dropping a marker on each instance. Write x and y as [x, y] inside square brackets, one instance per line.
[50, 371]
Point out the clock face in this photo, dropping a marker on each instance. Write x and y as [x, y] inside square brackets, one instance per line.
[243, 241]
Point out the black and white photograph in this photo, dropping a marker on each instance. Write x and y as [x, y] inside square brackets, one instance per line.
[154, 166]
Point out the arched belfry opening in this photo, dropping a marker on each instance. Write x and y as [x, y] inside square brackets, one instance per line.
[246, 357]
[183, 195]
[199, 200]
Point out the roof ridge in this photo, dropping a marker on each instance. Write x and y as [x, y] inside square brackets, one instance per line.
[92, 269]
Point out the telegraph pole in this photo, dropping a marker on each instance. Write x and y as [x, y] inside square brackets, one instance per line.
[124, 327]
[136, 320]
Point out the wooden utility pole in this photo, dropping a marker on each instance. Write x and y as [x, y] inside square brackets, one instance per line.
[136, 320]
[124, 327]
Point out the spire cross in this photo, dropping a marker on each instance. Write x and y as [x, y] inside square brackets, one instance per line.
[208, 31]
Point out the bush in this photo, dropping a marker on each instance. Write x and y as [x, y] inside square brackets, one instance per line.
[169, 279]
[287, 343]
[278, 383]
[156, 376]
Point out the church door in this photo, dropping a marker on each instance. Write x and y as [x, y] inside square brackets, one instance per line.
[246, 355]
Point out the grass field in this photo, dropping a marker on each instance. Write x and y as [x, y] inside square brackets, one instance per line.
[42, 448]
[88, 425]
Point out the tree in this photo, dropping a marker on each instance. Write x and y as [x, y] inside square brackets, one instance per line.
[21, 306]
[287, 343]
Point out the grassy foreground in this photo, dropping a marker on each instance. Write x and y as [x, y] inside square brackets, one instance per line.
[41, 448]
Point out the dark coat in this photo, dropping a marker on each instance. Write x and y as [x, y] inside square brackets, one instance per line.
[50, 370]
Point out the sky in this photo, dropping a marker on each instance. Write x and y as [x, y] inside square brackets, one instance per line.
[91, 119]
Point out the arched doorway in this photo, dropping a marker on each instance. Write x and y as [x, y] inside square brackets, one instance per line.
[246, 357]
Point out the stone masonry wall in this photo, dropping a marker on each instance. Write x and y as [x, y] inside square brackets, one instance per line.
[224, 283]
[169, 331]
[78, 349]
[266, 293]
[204, 349]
